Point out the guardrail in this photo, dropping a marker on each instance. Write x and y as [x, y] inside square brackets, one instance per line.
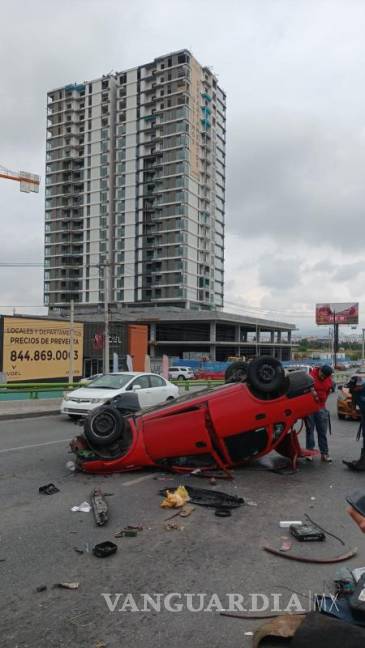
[34, 390]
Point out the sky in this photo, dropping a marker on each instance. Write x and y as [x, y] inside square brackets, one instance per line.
[293, 73]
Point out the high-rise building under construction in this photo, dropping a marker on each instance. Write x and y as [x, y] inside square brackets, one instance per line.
[135, 188]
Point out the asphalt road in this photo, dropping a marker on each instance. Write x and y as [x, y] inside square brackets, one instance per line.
[209, 555]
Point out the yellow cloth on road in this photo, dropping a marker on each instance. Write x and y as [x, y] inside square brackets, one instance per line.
[175, 499]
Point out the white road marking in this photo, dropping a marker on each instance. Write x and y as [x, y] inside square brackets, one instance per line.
[137, 481]
[34, 445]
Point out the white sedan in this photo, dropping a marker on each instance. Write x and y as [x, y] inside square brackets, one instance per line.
[152, 389]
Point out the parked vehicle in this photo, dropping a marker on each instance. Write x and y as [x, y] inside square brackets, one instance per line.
[251, 415]
[209, 374]
[151, 388]
[181, 373]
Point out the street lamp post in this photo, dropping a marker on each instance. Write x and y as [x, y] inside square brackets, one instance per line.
[363, 347]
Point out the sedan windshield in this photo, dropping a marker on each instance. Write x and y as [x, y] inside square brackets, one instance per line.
[110, 381]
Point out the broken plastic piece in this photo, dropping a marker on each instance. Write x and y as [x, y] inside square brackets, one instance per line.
[105, 549]
[285, 524]
[126, 533]
[286, 544]
[84, 507]
[49, 489]
[99, 506]
[70, 586]
[186, 510]
[223, 512]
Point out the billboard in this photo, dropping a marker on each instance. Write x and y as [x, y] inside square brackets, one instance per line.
[39, 349]
[343, 313]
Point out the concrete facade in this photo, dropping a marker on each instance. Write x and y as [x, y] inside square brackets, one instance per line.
[213, 335]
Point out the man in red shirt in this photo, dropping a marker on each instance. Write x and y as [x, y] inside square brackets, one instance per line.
[319, 420]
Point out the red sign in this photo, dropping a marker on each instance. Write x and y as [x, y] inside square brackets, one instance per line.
[343, 313]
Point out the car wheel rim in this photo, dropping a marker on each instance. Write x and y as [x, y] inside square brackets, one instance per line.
[103, 425]
[267, 373]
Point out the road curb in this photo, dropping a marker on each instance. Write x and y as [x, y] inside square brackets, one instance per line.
[24, 415]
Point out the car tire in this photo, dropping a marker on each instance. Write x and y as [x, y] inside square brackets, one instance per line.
[181, 378]
[104, 426]
[236, 372]
[266, 376]
[170, 398]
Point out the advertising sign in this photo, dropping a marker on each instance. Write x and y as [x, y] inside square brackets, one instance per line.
[343, 313]
[35, 349]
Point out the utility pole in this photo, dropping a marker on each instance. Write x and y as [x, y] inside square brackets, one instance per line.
[106, 367]
[363, 347]
[71, 358]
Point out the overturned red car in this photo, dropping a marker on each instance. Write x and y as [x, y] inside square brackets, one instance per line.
[252, 414]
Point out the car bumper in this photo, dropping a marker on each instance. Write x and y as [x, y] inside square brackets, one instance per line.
[77, 409]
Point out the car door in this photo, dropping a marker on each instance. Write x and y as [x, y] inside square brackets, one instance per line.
[141, 385]
[159, 390]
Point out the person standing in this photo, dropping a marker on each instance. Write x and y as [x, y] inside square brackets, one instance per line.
[323, 384]
[356, 385]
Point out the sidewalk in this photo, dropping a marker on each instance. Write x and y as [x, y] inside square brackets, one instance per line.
[18, 409]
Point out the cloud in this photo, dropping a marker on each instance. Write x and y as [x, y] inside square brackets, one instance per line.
[295, 131]
[279, 274]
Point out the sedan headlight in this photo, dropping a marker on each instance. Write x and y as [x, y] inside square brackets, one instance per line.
[97, 400]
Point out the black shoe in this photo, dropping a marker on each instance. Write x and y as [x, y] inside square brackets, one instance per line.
[357, 465]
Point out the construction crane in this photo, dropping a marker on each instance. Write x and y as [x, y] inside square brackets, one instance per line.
[29, 182]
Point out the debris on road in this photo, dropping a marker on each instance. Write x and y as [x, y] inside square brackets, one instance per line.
[324, 530]
[84, 507]
[283, 627]
[69, 586]
[71, 466]
[306, 533]
[126, 533]
[310, 559]
[223, 511]
[210, 498]
[173, 526]
[49, 489]
[249, 502]
[41, 588]
[99, 506]
[78, 550]
[286, 544]
[105, 549]
[100, 644]
[285, 524]
[186, 510]
[175, 499]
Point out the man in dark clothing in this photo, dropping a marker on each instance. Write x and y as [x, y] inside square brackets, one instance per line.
[319, 420]
[356, 385]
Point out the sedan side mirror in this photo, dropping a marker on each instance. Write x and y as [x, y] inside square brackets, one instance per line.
[136, 387]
